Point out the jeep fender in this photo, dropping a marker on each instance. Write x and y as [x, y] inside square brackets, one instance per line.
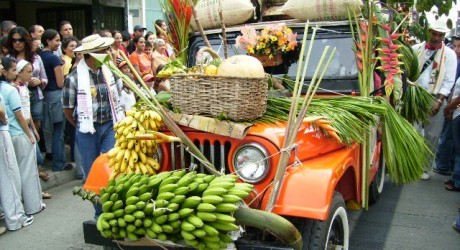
[307, 189]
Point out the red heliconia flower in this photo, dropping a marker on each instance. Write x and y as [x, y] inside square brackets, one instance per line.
[394, 46]
[386, 41]
[395, 55]
[359, 55]
[384, 58]
[384, 67]
[395, 36]
[395, 71]
[385, 27]
[360, 66]
[363, 26]
[363, 38]
[384, 50]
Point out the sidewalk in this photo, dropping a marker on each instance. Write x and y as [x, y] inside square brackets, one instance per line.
[57, 178]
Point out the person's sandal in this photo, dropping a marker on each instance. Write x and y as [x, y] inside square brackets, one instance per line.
[452, 187]
[46, 195]
[43, 175]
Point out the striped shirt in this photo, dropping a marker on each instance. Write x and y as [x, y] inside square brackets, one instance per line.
[99, 92]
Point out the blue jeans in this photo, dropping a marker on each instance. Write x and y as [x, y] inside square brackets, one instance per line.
[456, 137]
[445, 151]
[92, 145]
[59, 159]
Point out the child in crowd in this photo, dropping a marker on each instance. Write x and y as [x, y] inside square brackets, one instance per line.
[23, 139]
[161, 84]
[127, 97]
[10, 176]
[149, 80]
[24, 74]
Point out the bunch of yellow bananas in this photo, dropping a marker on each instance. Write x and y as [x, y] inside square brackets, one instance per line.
[183, 207]
[132, 155]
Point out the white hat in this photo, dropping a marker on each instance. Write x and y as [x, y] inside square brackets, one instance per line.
[20, 65]
[439, 26]
[94, 43]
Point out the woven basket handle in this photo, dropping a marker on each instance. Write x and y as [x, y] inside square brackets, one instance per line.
[199, 55]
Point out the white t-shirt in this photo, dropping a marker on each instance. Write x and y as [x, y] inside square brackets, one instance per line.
[127, 100]
[25, 101]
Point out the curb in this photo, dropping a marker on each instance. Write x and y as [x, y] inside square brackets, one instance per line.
[57, 178]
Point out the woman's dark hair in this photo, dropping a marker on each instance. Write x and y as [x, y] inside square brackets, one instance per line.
[125, 35]
[158, 23]
[49, 34]
[148, 34]
[114, 32]
[7, 63]
[137, 38]
[28, 53]
[158, 80]
[66, 41]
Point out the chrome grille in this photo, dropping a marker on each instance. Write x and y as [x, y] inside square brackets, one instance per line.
[216, 152]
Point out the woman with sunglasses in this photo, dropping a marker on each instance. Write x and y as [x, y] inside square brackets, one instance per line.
[19, 45]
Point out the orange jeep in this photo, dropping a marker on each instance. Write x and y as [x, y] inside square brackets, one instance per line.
[322, 174]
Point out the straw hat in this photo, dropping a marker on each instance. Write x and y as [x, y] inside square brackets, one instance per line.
[94, 43]
[439, 26]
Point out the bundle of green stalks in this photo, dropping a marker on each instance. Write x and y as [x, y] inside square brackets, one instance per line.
[417, 102]
[351, 116]
[404, 149]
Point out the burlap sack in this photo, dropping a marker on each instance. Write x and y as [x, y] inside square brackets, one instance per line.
[314, 10]
[233, 11]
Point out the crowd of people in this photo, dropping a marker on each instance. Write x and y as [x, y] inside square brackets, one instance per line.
[440, 70]
[52, 93]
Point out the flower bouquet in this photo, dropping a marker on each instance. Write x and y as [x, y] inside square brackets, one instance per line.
[268, 44]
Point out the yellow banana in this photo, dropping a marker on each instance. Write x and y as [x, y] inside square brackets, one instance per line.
[120, 155]
[123, 166]
[113, 152]
[137, 115]
[131, 112]
[120, 130]
[130, 144]
[143, 168]
[124, 145]
[152, 124]
[126, 155]
[137, 147]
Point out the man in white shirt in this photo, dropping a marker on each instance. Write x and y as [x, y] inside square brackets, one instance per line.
[438, 65]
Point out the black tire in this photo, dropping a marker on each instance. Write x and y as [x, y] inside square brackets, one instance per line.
[328, 234]
[378, 183]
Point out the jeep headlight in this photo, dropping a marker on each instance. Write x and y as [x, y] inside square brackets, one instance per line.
[251, 163]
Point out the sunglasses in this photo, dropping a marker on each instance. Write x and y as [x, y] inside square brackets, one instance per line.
[18, 40]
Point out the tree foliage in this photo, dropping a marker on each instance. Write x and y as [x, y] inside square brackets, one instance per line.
[425, 5]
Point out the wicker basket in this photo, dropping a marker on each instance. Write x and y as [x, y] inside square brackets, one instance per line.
[237, 98]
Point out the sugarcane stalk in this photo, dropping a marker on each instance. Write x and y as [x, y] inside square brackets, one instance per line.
[224, 33]
[295, 121]
[274, 224]
[85, 195]
[200, 28]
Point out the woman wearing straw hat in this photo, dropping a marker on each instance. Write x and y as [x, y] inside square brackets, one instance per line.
[91, 102]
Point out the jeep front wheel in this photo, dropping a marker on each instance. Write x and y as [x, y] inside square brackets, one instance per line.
[377, 184]
[332, 233]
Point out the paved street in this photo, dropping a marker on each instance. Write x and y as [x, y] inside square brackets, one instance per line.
[416, 216]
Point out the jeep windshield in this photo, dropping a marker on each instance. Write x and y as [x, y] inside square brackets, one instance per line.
[340, 77]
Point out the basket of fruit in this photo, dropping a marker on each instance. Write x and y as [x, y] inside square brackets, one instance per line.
[237, 90]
